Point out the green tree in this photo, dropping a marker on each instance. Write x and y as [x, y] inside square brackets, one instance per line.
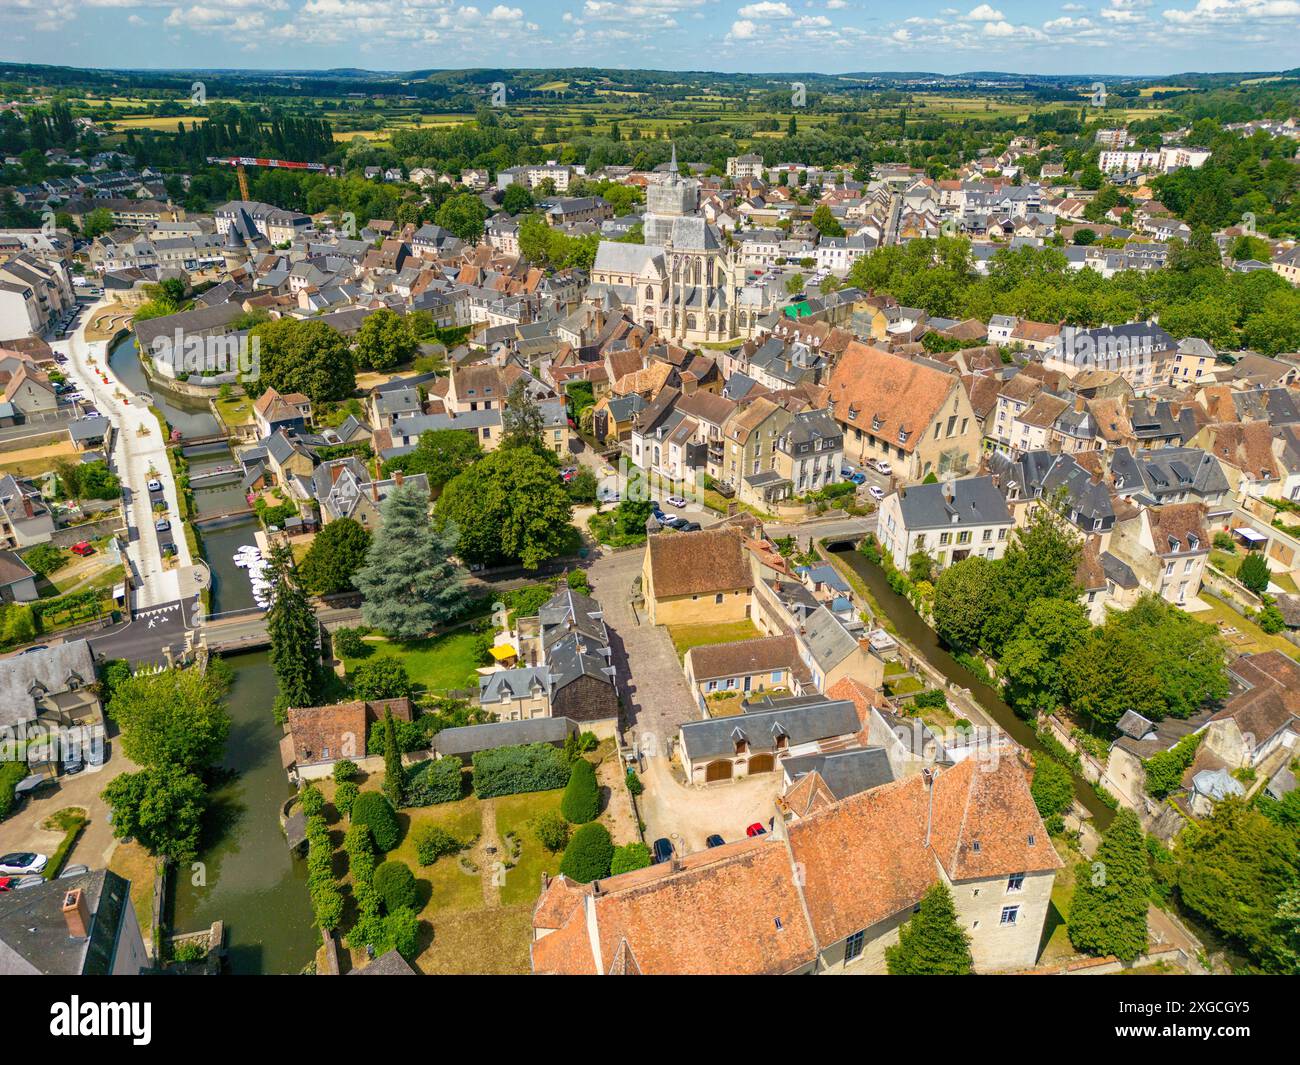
[393, 772]
[463, 215]
[439, 454]
[589, 854]
[410, 582]
[509, 507]
[96, 223]
[292, 626]
[384, 677]
[395, 884]
[1253, 573]
[335, 555]
[1108, 912]
[384, 340]
[931, 943]
[373, 810]
[825, 222]
[1052, 787]
[516, 199]
[581, 800]
[307, 356]
[962, 597]
[1030, 664]
[522, 422]
[1111, 672]
[176, 717]
[162, 807]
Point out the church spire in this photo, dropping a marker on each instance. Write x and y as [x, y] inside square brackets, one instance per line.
[672, 166]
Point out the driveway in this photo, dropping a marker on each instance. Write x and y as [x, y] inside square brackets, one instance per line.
[687, 814]
[22, 831]
[656, 700]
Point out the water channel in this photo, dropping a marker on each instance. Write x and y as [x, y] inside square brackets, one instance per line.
[192, 418]
[912, 627]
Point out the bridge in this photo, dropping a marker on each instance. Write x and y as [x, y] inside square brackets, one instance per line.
[245, 630]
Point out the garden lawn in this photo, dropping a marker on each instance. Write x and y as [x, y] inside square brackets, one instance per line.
[450, 888]
[1229, 564]
[687, 636]
[1055, 944]
[524, 882]
[480, 942]
[1256, 638]
[132, 862]
[441, 663]
[234, 411]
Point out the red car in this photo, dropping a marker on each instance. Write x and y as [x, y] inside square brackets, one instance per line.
[83, 548]
[755, 830]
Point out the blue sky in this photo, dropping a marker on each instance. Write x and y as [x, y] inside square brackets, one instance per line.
[1081, 36]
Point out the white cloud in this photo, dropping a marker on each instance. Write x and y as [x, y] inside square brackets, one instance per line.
[1001, 28]
[765, 9]
[985, 13]
[743, 30]
[811, 22]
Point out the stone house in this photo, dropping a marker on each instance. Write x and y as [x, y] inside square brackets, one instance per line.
[695, 579]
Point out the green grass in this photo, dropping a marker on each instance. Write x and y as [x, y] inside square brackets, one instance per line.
[524, 882]
[1257, 638]
[235, 411]
[1230, 564]
[450, 888]
[687, 636]
[441, 663]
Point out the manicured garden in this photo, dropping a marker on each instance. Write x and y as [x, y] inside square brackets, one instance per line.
[438, 664]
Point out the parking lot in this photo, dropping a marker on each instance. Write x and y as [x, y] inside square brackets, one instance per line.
[688, 814]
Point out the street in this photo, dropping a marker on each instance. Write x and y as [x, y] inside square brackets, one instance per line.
[140, 454]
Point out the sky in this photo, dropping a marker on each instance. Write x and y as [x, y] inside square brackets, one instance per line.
[831, 36]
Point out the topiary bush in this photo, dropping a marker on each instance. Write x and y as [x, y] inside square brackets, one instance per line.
[633, 856]
[344, 796]
[588, 855]
[345, 770]
[375, 812]
[313, 801]
[396, 886]
[581, 801]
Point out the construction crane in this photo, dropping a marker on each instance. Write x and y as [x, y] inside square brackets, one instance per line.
[239, 162]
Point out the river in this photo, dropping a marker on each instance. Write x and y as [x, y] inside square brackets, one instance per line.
[193, 419]
[250, 880]
[912, 627]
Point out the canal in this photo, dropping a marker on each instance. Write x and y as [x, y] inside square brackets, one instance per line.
[193, 419]
[231, 588]
[912, 627]
[249, 879]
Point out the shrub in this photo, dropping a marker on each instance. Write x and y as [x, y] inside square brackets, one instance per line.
[44, 559]
[581, 801]
[577, 580]
[1270, 619]
[344, 796]
[345, 770]
[402, 930]
[633, 856]
[1052, 787]
[434, 781]
[1253, 573]
[396, 886]
[433, 841]
[588, 855]
[634, 784]
[384, 677]
[376, 813]
[512, 770]
[551, 830]
[1224, 542]
[932, 699]
[313, 801]
[349, 644]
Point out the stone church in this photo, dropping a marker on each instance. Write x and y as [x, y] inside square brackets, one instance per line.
[685, 280]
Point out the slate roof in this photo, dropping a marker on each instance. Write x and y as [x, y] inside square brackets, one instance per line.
[800, 719]
[34, 934]
[845, 773]
[468, 739]
[975, 501]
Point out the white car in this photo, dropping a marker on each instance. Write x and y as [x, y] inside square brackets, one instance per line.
[676, 501]
[876, 493]
[155, 486]
[20, 862]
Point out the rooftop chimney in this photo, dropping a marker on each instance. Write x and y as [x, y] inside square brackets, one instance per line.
[1079, 404]
[76, 914]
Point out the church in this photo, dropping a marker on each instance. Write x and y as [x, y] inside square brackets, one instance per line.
[686, 279]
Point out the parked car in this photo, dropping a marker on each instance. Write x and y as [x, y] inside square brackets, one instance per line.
[155, 486]
[858, 478]
[714, 841]
[755, 830]
[20, 863]
[663, 850]
[162, 525]
[876, 493]
[83, 548]
[30, 650]
[881, 467]
[688, 526]
[73, 764]
[676, 501]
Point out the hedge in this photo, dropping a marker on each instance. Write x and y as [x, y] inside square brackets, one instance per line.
[371, 809]
[581, 801]
[11, 774]
[512, 770]
[434, 781]
[326, 898]
[633, 856]
[588, 855]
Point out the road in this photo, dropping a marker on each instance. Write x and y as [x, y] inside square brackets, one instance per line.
[139, 455]
[150, 634]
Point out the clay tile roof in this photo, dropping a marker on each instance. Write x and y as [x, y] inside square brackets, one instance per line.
[1178, 522]
[983, 392]
[735, 659]
[807, 794]
[1248, 446]
[702, 563]
[871, 386]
